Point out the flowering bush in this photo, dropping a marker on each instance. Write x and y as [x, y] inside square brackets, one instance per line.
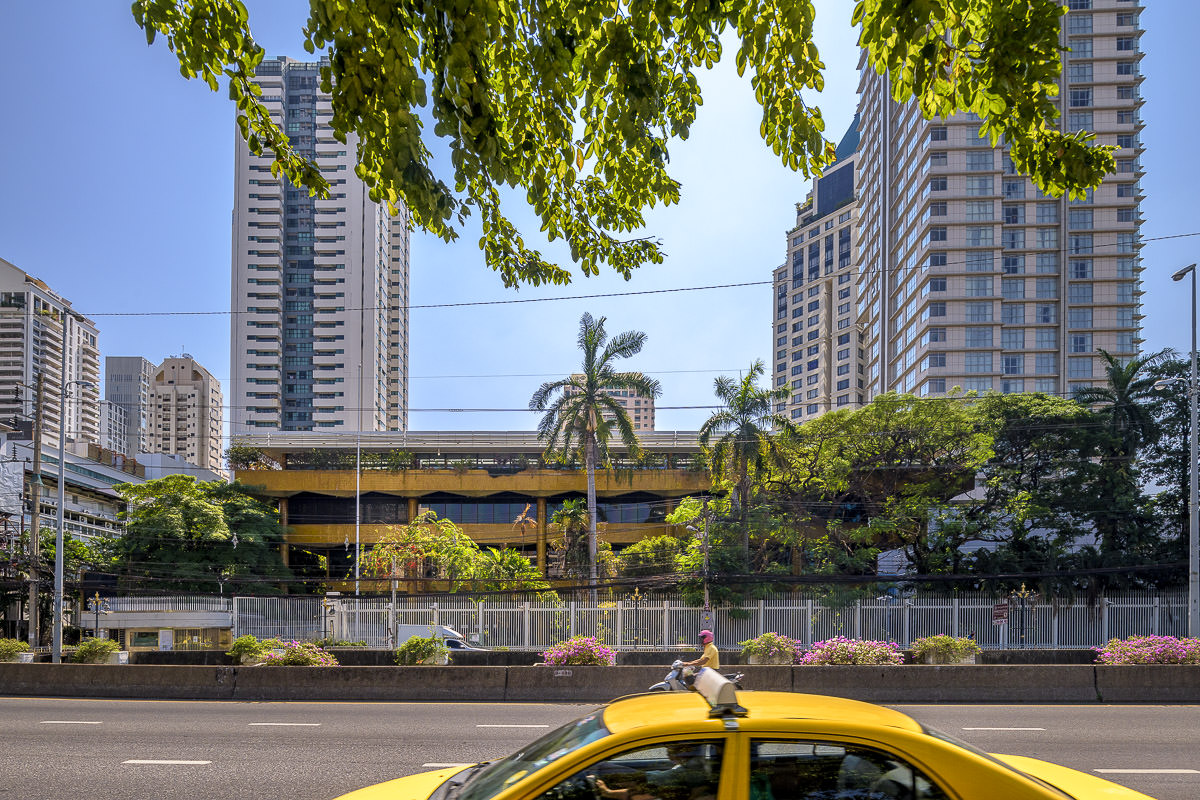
[840, 650]
[1149, 650]
[580, 651]
[770, 647]
[300, 654]
[942, 646]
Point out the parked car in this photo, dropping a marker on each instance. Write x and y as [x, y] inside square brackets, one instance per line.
[720, 744]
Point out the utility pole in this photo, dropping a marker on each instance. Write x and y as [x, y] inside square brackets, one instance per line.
[35, 514]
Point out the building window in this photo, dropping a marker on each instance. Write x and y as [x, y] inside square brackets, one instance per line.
[1081, 98]
[1046, 314]
[1012, 314]
[1079, 318]
[1080, 121]
[1047, 213]
[979, 312]
[1046, 339]
[979, 185]
[1081, 48]
[978, 210]
[1013, 264]
[1014, 215]
[977, 362]
[1013, 365]
[937, 184]
[1013, 190]
[935, 310]
[936, 285]
[1126, 44]
[1047, 238]
[938, 133]
[1012, 288]
[1079, 244]
[1079, 367]
[934, 360]
[938, 159]
[979, 261]
[1080, 72]
[937, 233]
[980, 161]
[1012, 338]
[1080, 342]
[933, 335]
[1126, 242]
[979, 287]
[979, 236]
[1013, 239]
[1080, 269]
[1045, 363]
[977, 336]
[1080, 219]
[1079, 23]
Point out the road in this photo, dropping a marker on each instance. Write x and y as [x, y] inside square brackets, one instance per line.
[53, 748]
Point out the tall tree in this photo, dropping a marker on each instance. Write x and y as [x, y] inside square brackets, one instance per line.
[579, 414]
[577, 103]
[183, 534]
[743, 430]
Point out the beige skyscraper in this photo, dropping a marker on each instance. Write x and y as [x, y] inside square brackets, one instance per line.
[817, 348]
[186, 414]
[320, 286]
[967, 275]
[36, 324]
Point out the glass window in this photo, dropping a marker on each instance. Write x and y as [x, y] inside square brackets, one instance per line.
[1012, 338]
[1081, 48]
[1079, 318]
[978, 336]
[1047, 213]
[1046, 339]
[684, 769]
[979, 210]
[1081, 342]
[1014, 215]
[979, 312]
[979, 287]
[979, 185]
[1079, 23]
[1047, 288]
[979, 236]
[1079, 367]
[937, 133]
[979, 261]
[977, 362]
[1010, 289]
[1080, 293]
[794, 768]
[1012, 313]
[497, 775]
[980, 161]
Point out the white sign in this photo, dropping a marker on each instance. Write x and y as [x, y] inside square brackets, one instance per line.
[166, 639]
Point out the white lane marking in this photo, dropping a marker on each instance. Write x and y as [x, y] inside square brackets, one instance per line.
[512, 726]
[1004, 729]
[1149, 771]
[69, 722]
[162, 761]
[287, 724]
[440, 764]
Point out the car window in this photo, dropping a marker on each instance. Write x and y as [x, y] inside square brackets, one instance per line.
[791, 769]
[680, 770]
[499, 775]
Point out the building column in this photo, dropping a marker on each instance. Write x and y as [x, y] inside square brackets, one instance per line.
[413, 505]
[283, 521]
[541, 535]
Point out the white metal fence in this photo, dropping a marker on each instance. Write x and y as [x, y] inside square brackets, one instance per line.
[665, 623]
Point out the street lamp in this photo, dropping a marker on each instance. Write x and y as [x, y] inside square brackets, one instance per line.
[1194, 471]
[62, 501]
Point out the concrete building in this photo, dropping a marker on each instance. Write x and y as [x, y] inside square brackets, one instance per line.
[639, 407]
[320, 286]
[114, 428]
[36, 324]
[186, 415]
[481, 480]
[127, 384]
[817, 349]
[968, 276]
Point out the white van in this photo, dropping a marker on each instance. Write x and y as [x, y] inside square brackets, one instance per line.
[450, 637]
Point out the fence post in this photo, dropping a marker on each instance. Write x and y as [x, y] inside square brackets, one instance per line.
[572, 612]
[1154, 619]
[666, 631]
[954, 609]
[1103, 619]
[762, 617]
[858, 619]
[236, 627]
[479, 622]
[525, 614]
[808, 622]
[905, 612]
[1054, 624]
[620, 624]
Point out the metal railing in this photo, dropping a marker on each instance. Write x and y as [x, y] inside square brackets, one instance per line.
[664, 622]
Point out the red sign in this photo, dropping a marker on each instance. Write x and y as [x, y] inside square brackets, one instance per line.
[1000, 614]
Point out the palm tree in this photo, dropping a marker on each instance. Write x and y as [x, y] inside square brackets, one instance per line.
[743, 430]
[1124, 401]
[580, 414]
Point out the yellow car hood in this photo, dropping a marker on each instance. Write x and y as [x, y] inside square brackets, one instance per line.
[413, 787]
[1079, 785]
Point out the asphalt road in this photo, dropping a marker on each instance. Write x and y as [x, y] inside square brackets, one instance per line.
[52, 748]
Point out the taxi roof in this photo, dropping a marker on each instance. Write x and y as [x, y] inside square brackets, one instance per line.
[675, 707]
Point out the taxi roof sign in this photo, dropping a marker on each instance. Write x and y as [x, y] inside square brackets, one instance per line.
[719, 692]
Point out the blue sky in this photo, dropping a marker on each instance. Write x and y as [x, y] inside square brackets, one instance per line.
[117, 190]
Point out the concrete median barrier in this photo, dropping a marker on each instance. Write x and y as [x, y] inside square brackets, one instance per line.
[907, 684]
[1151, 683]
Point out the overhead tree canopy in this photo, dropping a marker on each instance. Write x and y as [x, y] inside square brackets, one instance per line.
[577, 102]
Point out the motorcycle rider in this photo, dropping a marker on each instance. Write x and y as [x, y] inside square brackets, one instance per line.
[710, 657]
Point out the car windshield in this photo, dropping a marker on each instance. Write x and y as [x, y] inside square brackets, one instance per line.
[970, 748]
[499, 775]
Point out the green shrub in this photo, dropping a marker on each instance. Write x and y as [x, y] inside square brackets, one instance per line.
[419, 649]
[841, 650]
[771, 647]
[329, 641]
[1149, 650]
[944, 647]
[95, 651]
[10, 647]
[245, 647]
[580, 651]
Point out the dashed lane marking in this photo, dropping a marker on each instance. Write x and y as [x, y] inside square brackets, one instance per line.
[169, 762]
[286, 724]
[512, 726]
[70, 722]
[1149, 771]
[1004, 729]
[443, 764]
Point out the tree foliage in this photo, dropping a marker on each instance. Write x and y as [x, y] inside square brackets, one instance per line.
[186, 535]
[576, 104]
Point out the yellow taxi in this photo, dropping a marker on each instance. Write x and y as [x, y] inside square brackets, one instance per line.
[718, 744]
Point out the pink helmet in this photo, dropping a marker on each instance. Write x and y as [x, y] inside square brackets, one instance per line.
[706, 636]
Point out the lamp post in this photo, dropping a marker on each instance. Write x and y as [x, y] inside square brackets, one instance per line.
[57, 622]
[1194, 472]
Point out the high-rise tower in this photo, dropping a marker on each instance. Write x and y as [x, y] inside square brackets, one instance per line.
[968, 276]
[320, 286]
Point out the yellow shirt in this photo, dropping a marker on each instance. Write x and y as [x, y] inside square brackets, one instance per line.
[714, 658]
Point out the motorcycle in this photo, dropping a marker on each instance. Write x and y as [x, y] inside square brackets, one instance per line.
[681, 678]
